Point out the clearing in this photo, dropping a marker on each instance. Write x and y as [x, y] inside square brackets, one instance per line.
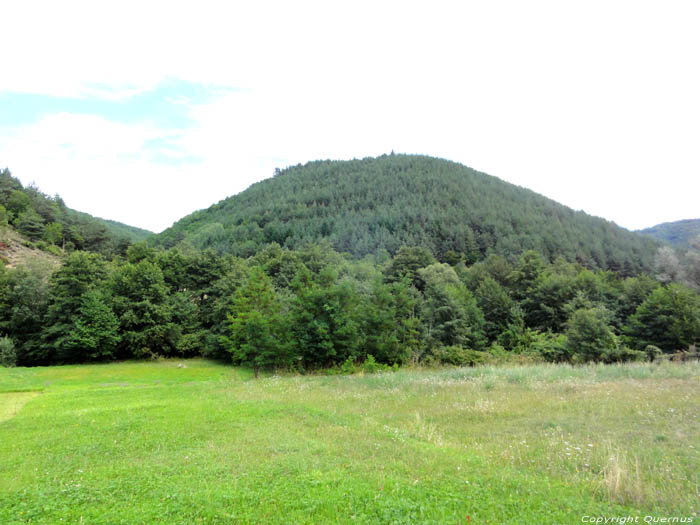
[143, 442]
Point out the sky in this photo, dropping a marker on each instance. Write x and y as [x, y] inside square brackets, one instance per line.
[144, 112]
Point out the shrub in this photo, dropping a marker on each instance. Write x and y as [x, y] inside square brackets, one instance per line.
[623, 354]
[533, 344]
[653, 352]
[458, 356]
[348, 366]
[551, 347]
[8, 354]
[369, 366]
[55, 250]
[499, 355]
[189, 345]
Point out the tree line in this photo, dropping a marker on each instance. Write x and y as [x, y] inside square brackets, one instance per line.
[312, 307]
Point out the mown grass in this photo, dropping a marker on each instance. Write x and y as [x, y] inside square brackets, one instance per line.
[12, 402]
[145, 442]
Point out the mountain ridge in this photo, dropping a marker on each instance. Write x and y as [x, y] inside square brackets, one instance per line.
[677, 233]
[363, 206]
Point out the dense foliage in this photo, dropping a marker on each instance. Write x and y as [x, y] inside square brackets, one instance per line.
[419, 260]
[376, 204]
[49, 224]
[314, 308]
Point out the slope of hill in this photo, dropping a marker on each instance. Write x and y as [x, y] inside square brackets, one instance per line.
[678, 233]
[47, 221]
[118, 229]
[363, 206]
[16, 250]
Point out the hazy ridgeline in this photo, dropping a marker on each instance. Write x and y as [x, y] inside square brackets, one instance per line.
[680, 234]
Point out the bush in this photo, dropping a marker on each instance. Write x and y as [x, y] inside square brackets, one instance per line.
[532, 345]
[623, 354]
[551, 347]
[8, 354]
[189, 345]
[653, 352]
[369, 366]
[458, 356]
[348, 367]
[499, 355]
[55, 250]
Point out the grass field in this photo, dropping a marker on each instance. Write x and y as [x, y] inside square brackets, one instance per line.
[145, 442]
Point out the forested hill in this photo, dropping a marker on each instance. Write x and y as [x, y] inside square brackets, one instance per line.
[119, 229]
[678, 233]
[47, 223]
[364, 206]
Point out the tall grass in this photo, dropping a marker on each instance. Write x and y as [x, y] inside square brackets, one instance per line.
[537, 373]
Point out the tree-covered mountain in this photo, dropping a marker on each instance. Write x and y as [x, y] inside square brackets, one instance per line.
[459, 287]
[678, 233]
[365, 206]
[49, 224]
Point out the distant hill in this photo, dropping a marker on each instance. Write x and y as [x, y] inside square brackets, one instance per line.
[119, 229]
[46, 223]
[678, 233]
[364, 206]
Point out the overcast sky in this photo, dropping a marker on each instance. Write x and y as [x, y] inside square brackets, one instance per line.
[144, 112]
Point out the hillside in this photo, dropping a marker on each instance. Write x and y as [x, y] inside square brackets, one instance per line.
[16, 250]
[48, 224]
[678, 233]
[118, 229]
[364, 206]
[310, 307]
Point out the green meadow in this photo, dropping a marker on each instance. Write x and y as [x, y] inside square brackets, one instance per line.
[195, 441]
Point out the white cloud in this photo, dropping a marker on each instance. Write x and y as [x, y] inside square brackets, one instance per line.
[594, 104]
